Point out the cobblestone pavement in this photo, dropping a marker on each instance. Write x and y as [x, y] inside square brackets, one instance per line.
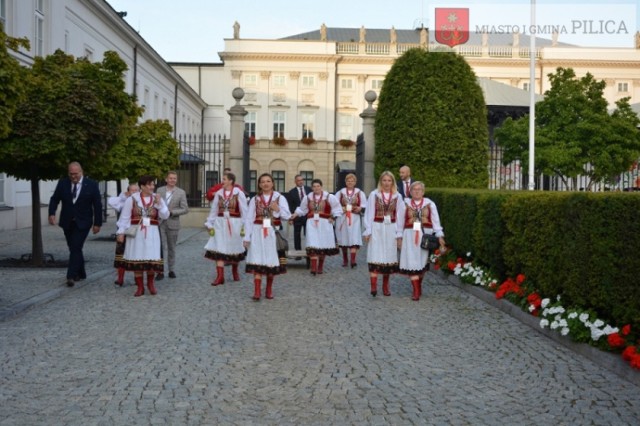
[323, 351]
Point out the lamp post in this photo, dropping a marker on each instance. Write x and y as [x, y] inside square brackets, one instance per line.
[532, 98]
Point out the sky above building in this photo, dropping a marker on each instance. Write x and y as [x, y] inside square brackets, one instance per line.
[194, 30]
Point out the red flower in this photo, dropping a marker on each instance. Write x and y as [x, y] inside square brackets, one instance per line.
[451, 265]
[436, 266]
[615, 341]
[628, 353]
[535, 300]
[626, 330]
[520, 278]
[635, 361]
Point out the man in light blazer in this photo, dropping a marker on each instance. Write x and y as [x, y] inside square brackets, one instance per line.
[81, 211]
[176, 200]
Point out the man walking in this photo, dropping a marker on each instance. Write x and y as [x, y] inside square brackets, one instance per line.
[176, 200]
[294, 197]
[81, 211]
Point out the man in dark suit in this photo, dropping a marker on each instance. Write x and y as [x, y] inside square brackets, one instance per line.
[294, 197]
[81, 211]
[405, 181]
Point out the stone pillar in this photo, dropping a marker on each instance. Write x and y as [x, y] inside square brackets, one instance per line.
[237, 113]
[368, 126]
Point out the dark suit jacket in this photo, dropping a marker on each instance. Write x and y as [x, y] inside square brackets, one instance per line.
[400, 185]
[293, 197]
[87, 210]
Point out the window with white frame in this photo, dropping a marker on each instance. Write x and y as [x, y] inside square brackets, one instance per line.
[3, 177]
[38, 37]
[88, 53]
[376, 84]
[278, 124]
[307, 176]
[253, 178]
[279, 80]
[308, 123]
[250, 80]
[623, 87]
[345, 122]
[250, 122]
[146, 105]
[278, 180]
[308, 81]
[526, 86]
[346, 83]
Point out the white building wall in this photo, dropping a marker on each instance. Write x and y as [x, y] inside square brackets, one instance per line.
[92, 27]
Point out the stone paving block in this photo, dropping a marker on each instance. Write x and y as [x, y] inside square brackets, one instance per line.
[322, 352]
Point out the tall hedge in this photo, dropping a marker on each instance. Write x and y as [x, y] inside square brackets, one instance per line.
[432, 117]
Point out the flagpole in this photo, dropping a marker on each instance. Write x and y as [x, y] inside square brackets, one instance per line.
[532, 97]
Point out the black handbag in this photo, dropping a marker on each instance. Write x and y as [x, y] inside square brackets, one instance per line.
[429, 242]
[281, 242]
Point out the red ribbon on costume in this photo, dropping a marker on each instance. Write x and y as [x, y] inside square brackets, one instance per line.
[349, 217]
[144, 208]
[416, 239]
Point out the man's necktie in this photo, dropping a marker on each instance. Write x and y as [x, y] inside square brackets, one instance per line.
[301, 194]
[74, 192]
[406, 188]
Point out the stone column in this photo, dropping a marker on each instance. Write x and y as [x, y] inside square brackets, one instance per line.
[237, 113]
[368, 126]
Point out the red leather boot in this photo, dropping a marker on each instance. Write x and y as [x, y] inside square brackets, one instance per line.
[320, 264]
[120, 279]
[353, 259]
[257, 288]
[314, 265]
[150, 286]
[415, 283]
[385, 285]
[269, 291]
[345, 263]
[140, 285]
[220, 278]
[234, 271]
[420, 284]
[374, 285]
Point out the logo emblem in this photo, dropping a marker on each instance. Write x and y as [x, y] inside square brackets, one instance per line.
[452, 26]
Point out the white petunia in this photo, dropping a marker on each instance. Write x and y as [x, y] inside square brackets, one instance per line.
[544, 323]
[584, 317]
[544, 302]
[573, 315]
[564, 331]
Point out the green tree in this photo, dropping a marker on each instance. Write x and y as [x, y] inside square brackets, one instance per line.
[73, 110]
[575, 134]
[148, 149]
[11, 80]
[432, 117]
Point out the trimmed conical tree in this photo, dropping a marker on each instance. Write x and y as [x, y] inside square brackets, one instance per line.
[432, 117]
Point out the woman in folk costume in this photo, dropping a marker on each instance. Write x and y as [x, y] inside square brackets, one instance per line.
[421, 217]
[320, 208]
[226, 224]
[117, 203]
[382, 232]
[142, 251]
[348, 226]
[266, 210]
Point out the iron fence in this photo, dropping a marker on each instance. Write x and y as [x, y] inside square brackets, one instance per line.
[201, 165]
[512, 177]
